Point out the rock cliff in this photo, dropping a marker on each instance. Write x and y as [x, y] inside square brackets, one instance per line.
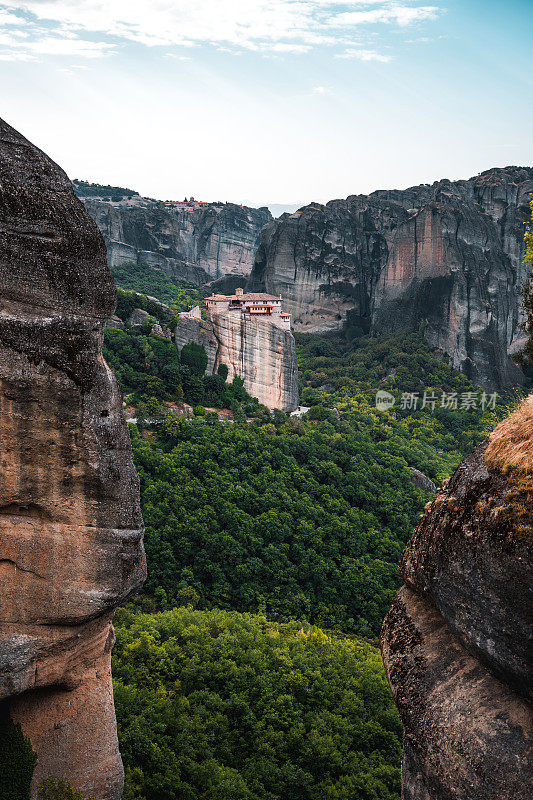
[70, 523]
[457, 641]
[447, 256]
[201, 244]
[258, 350]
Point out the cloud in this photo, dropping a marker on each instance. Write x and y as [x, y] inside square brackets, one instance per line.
[22, 48]
[399, 14]
[177, 57]
[364, 55]
[6, 18]
[290, 47]
[13, 56]
[55, 46]
[277, 26]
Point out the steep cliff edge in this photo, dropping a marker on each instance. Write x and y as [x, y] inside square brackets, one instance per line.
[70, 523]
[447, 256]
[198, 244]
[259, 351]
[457, 641]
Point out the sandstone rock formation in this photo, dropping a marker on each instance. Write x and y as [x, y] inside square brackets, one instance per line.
[70, 523]
[457, 642]
[447, 256]
[258, 350]
[197, 245]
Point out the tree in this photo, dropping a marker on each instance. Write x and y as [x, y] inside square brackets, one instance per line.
[238, 390]
[238, 413]
[17, 759]
[193, 389]
[223, 372]
[194, 356]
[153, 407]
[220, 705]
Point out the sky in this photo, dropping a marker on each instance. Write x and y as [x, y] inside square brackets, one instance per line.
[270, 101]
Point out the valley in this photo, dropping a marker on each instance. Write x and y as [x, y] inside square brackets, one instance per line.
[247, 663]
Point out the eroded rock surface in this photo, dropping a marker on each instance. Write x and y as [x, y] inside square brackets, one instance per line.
[457, 642]
[198, 245]
[258, 350]
[447, 256]
[70, 523]
[467, 734]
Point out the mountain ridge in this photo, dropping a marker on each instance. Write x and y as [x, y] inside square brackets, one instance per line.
[447, 256]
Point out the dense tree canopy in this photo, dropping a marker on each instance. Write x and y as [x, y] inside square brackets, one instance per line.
[233, 707]
[179, 295]
[301, 521]
[303, 518]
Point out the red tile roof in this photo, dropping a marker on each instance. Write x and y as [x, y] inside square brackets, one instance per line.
[251, 297]
[257, 296]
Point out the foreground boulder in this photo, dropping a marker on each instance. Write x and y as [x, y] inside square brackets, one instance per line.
[70, 523]
[457, 642]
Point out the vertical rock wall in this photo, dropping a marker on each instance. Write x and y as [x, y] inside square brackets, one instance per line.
[258, 350]
[457, 642]
[201, 245]
[448, 257]
[70, 523]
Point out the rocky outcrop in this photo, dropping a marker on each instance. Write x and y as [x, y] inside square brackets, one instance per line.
[467, 736]
[192, 328]
[200, 244]
[457, 641]
[258, 350]
[139, 317]
[448, 257]
[421, 481]
[70, 523]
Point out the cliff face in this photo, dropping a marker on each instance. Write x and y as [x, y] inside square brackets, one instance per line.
[201, 245]
[260, 352]
[457, 641]
[70, 523]
[448, 256]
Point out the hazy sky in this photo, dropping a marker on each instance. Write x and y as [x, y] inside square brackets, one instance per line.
[270, 101]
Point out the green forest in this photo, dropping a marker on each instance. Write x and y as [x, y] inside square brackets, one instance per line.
[217, 704]
[149, 281]
[248, 667]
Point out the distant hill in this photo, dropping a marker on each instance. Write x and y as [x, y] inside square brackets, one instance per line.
[113, 193]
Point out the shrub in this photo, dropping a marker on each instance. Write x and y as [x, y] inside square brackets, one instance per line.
[194, 356]
[223, 371]
[58, 789]
[17, 760]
